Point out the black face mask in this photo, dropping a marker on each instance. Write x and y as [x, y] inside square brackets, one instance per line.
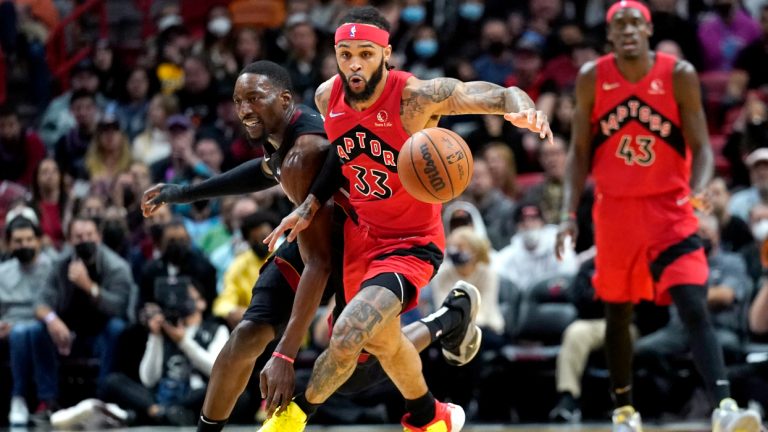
[459, 258]
[156, 232]
[128, 196]
[260, 249]
[24, 255]
[114, 235]
[175, 252]
[723, 9]
[86, 251]
[201, 205]
[496, 48]
[707, 244]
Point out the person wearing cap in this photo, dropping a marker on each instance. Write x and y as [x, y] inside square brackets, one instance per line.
[639, 126]
[743, 200]
[182, 165]
[396, 245]
[23, 276]
[70, 149]
[529, 258]
[57, 119]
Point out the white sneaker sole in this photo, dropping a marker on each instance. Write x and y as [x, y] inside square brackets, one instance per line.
[470, 345]
[747, 422]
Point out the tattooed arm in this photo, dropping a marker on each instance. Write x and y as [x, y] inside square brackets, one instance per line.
[423, 100]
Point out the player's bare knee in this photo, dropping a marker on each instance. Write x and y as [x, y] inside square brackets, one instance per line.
[250, 338]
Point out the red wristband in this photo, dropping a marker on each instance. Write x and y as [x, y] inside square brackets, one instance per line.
[283, 356]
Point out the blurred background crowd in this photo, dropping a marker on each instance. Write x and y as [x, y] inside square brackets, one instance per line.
[100, 99]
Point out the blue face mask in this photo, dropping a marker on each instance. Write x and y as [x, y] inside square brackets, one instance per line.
[413, 14]
[425, 48]
[471, 11]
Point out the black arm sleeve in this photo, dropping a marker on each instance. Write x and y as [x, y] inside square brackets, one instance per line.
[329, 179]
[245, 178]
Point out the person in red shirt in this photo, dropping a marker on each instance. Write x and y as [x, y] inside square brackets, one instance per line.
[20, 149]
[393, 242]
[639, 124]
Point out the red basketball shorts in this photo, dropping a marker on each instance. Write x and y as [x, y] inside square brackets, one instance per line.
[645, 245]
[366, 256]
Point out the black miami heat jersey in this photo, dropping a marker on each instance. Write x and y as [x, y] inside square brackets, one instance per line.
[638, 147]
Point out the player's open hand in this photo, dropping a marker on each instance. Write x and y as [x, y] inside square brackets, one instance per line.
[532, 119]
[701, 202]
[277, 382]
[566, 237]
[297, 222]
[158, 196]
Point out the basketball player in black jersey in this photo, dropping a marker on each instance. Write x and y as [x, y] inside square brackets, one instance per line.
[294, 141]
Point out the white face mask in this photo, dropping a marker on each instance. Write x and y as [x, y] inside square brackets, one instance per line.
[531, 238]
[760, 230]
[219, 26]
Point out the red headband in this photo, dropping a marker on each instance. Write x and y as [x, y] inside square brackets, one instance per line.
[355, 31]
[627, 4]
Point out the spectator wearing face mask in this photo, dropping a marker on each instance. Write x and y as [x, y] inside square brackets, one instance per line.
[530, 256]
[235, 244]
[743, 200]
[216, 44]
[242, 274]
[424, 55]
[82, 309]
[23, 276]
[20, 149]
[178, 258]
[756, 253]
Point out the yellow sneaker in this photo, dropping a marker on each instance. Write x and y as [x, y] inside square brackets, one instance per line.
[292, 419]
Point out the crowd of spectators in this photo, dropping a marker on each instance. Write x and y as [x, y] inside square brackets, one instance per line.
[102, 310]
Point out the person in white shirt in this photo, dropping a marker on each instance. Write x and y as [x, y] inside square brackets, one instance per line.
[530, 256]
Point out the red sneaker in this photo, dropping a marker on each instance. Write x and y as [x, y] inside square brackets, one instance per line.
[448, 418]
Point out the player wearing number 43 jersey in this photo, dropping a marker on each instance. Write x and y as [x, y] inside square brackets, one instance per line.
[639, 124]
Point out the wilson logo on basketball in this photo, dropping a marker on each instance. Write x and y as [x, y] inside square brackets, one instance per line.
[382, 119]
[435, 180]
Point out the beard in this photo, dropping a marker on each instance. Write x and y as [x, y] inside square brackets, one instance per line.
[370, 85]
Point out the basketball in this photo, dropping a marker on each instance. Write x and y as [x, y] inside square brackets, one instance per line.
[435, 165]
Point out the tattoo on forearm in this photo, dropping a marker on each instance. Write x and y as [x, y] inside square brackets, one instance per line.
[305, 211]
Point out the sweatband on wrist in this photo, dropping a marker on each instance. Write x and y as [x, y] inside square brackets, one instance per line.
[355, 31]
[283, 356]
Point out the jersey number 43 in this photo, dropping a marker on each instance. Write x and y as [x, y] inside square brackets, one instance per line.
[637, 149]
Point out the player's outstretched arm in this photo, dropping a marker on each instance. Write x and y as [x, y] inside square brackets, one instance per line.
[577, 165]
[694, 125]
[324, 185]
[449, 96]
[299, 168]
[251, 176]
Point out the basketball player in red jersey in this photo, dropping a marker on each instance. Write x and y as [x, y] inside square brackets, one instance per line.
[393, 243]
[639, 122]
[294, 277]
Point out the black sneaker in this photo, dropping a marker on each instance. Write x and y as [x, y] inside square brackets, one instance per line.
[462, 344]
[566, 411]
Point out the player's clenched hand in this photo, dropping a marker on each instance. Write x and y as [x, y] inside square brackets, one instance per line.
[532, 119]
[567, 230]
[297, 222]
[277, 381]
[158, 196]
[700, 202]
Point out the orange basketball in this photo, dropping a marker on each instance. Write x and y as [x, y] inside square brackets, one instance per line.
[435, 165]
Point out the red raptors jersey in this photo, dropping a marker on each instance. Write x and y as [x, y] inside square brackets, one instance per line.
[368, 142]
[638, 146]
